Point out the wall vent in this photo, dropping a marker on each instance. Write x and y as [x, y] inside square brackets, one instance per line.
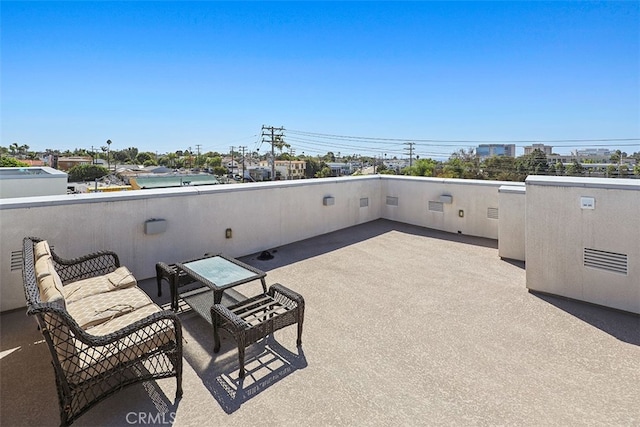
[364, 202]
[604, 260]
[16, 260]
[392, 201]
[492, 213]
[436, 206]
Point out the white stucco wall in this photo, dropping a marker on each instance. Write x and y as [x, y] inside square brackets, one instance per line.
[473, 197]
[261, 216]
[558, 229]
[511, 226]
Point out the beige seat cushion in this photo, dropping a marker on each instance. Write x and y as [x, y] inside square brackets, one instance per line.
[96, 309]
[90, 362]
[121, 278]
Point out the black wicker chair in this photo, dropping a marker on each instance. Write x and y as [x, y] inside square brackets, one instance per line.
[88, 368]
[250, 320]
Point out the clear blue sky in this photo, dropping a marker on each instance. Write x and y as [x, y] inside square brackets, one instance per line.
[166, 76]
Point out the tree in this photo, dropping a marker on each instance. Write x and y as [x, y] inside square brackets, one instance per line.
[81, 173]
[313, 167]
[575, 169]
[502, 168]
[11, 162]
[453, 168]
[143, 157]
[421, 167]
[324, 172]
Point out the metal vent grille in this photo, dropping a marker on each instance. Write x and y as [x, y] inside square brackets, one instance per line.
[16, 260]
[492, 213]
[603, 260]
[392, 201]
[436, 206]
[364, 202]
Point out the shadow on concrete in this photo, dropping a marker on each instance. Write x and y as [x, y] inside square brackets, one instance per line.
[318, 245]
[621, 325]
[266, 363]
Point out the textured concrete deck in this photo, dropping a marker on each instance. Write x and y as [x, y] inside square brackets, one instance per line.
[403, 326]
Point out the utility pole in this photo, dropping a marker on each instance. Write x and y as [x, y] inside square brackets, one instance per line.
[198, 155]
[292, 152]
[243, 148]
[410, 144]
[231, 148]
[274, 134]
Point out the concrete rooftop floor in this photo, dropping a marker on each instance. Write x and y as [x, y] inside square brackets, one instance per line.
[403, 326]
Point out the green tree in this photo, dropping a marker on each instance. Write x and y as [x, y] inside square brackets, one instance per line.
[453, 168]
[81, 173]
[11, 162]
[421, 167]
[219, 170]
[575, 169]
[502, 168]
[535, 163]
[324, 172]
[313, 167]
[143, 157]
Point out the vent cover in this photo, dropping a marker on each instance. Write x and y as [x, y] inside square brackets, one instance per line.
[364, 202]
[436, 206]
[492, 213]
[603, 260]
[16, 260]
[392, 201]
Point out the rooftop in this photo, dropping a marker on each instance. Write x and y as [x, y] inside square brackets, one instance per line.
[404, 325]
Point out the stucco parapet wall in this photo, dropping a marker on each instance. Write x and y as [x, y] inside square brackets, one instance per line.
[512, 189]
[456, 181]
[71, 199]
[606, 183]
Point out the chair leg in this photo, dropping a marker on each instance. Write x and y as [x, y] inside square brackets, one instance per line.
[241, 359]
[159, 280]
[299, 341]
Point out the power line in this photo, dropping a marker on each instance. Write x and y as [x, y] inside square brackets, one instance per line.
[460, 141]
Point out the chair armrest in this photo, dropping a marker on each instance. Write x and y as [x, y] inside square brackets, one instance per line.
[91, 265]
[228, 315]
[278, 289]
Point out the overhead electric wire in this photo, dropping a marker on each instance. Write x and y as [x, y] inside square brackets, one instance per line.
[460, 141]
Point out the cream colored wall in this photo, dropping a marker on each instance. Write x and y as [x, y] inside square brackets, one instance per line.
[473, 197]
[261, 216]
[558, 230]
[511, 227]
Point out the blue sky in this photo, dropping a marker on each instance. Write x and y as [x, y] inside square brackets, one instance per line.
[166, 76]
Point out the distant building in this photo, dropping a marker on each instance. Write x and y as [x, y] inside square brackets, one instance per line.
[594, 153]
[490, 150]
[546, 149]
[288, 169]
[66, 163]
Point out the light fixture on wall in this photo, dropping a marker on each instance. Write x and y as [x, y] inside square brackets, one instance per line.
[155, 226]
